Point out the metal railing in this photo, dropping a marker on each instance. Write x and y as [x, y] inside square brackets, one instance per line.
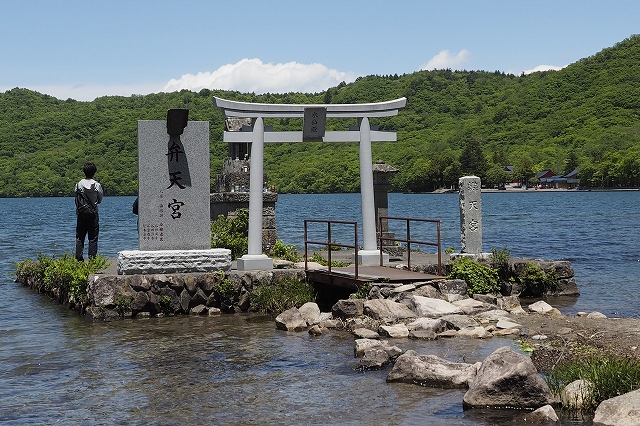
[329, 243]
[408, 240]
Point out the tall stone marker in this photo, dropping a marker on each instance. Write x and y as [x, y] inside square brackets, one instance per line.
[173, 176]
[174, 223]
[470, 215]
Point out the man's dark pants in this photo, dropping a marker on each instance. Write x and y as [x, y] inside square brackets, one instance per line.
[87, 225]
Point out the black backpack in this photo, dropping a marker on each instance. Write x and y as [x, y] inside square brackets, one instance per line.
[84, 206]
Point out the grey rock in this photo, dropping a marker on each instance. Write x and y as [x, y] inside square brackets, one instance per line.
[432, 308]
[486, 298]
[387, 310]
[544, 415]
[473, 307]
[433, 371]
[509, 303]
[428, 291]
[363, 345]
[478, 332]
[623, 410]
[504, 323]
[453, 287]
[316, 330]
[365, 333]
[291, 320]
[459, 321]
[348, 308]
[423, 335]
[576, 394]
[310, 312]
[374, 359]
[435, 325]
[198, 310]
[507, 379]
[394, 331]
[597, 315]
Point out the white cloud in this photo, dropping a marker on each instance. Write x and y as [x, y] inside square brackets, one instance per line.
[446, 59]
[251, 75]
[543, 68]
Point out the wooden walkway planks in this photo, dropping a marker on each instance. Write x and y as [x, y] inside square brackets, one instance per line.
[345, 277]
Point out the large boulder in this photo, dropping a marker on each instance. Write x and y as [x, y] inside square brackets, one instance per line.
[394, 331]
[374, 359]
[507, 379]
[472, 306]
[291, 320]
[623, 410]
[459, 321]
[347, 308]
[435, 325]
[432, 308]
[310, 312]
[363, 345]
[432, 371]
[387, 310]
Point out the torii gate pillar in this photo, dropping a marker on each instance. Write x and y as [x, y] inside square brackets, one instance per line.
[369, 255]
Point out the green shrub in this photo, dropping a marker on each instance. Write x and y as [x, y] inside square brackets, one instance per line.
[500, 262]
[536, 281]
[362, 293]
[279, 297]
[226, 293]
[317, 257]
[65, 273]
[480, 279]
[123, 305]
[611, 376]
[231, 233]
[287, 252]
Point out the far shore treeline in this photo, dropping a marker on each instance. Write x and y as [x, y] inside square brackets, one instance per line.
[585, 116]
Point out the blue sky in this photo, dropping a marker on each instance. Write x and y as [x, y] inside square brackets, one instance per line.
[83, 49]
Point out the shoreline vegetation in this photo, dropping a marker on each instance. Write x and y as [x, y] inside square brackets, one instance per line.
[584, 117]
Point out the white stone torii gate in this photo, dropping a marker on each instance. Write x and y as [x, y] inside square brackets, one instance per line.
[255, 259]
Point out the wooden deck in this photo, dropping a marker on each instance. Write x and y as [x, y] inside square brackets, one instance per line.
[345, 277]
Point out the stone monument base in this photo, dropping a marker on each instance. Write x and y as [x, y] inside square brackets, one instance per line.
[173, 261]
[371, 257]
[250, 262]
[473, 256]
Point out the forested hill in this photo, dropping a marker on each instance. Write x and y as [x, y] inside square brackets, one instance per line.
[586, 115]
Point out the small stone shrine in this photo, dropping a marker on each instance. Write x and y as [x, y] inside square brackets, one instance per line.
[173, 199]
[233, 186]
[381, 187]
[470, 215]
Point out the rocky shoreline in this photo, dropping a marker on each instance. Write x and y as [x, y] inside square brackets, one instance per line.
[506, 378]
[425, 311]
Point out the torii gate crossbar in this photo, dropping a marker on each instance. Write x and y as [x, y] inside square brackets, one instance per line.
[255, 259]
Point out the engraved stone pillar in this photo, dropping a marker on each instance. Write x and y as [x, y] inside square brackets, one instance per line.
[470, 215]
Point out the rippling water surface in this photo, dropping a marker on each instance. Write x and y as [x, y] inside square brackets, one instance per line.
[59, 368]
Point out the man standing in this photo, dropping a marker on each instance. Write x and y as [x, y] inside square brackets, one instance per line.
[88, 194]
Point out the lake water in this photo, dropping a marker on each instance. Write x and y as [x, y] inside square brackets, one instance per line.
[59, 368]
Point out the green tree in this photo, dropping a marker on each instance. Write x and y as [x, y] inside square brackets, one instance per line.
[472, 159]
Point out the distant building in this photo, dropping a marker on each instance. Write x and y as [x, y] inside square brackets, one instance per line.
[568, 181]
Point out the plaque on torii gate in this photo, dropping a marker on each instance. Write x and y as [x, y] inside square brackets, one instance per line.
[312, 132]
